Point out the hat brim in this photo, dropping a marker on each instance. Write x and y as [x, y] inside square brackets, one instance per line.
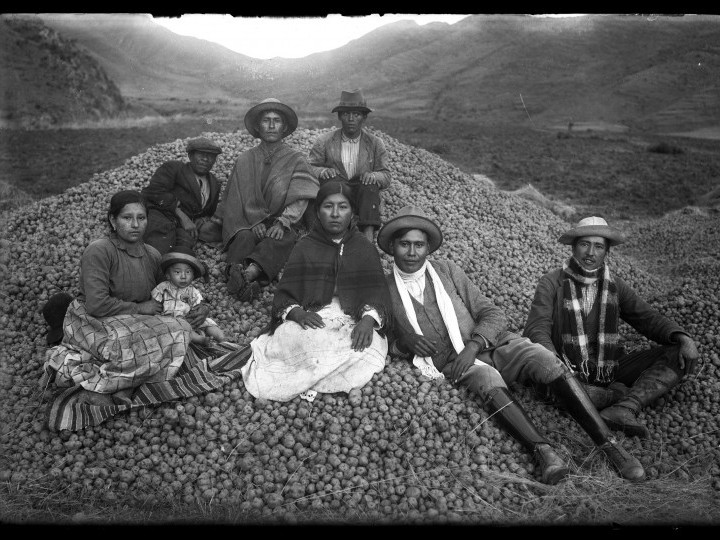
[206, 150]
[182, 258]
[435, 236]
[341, 108]
[613, 236]
[254, 113]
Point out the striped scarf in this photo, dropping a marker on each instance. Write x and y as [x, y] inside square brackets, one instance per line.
[575, 342]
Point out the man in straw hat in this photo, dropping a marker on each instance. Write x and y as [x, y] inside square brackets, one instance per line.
[352, 155]
[182, 197]
[447, 326]
[575, 314]
[265, 197]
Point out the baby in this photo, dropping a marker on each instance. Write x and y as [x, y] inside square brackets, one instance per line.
[178, 295]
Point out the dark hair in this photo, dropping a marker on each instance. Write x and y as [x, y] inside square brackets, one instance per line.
[121, 199]
[402, 232]
[331, 188]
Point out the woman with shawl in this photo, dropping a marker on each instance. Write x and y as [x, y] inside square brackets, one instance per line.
[330, 311]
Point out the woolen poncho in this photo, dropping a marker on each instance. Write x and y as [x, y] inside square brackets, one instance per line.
[247, 201]
[319, 268]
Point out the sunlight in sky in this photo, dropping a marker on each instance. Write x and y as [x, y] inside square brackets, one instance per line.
[287, 37]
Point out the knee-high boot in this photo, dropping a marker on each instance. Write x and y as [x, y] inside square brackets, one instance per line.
[572, 394]
[655, 381]
[513, 418]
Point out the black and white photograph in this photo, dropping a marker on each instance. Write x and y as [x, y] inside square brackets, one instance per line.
[360, 269]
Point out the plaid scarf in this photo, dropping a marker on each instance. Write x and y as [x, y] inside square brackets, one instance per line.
[319, 268]
[575, 342]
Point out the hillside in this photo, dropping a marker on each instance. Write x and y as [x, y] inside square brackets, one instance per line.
[47, 79]
[659, 74]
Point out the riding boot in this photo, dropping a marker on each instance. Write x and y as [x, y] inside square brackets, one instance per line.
[604, 396]
[510, 414]
[652, 383]
[576, 401]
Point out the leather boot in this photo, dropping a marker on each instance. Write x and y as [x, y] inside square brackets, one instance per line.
[510, 414]
[572, 394]
[652, 383]
[604, 396]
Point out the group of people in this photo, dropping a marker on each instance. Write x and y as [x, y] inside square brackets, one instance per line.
[335, 315]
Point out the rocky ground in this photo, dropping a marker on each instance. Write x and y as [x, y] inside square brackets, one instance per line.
[402, 449]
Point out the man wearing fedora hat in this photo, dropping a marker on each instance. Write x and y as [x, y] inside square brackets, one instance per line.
[575, 314]
[450, 329]
[352, 155]
[265, 197]
[182, 197]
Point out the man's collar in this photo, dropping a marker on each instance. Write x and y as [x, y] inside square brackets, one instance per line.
[347, 139]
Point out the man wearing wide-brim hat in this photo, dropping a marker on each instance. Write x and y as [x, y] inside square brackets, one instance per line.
[265, 198]
[182, 197]
[352, 155]
[450, 330]
[575, 314]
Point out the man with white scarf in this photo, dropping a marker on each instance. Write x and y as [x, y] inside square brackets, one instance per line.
[451, 330]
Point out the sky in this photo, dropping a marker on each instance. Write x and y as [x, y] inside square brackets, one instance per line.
[287, 37]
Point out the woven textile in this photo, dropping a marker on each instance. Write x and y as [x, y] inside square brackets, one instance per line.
[204, 370]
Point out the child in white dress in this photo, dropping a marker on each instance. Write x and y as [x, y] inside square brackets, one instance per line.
[178, 295]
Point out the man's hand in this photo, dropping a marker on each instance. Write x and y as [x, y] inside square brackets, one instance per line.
[362, 334]
[275, 232]
[149, 307]
[368, 178]
[688, 355]
[306, 319]
[187, 223]
[197, 315]
[418, 344]
[464, 360]
[259, 231]
[326, 174]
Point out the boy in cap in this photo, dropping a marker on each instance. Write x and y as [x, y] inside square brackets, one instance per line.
[182, 197]
[178, 295]
[575, 315]
[354, 156]
[450, 329]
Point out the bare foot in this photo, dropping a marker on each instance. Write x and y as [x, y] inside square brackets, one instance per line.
[123, 397]
[95, 398]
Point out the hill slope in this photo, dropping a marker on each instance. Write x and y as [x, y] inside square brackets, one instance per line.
[659, 74]
[46, 78]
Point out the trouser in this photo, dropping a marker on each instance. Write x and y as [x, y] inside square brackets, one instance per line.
[164, 232]
[631, 365]
[269, 254]
[519, 360]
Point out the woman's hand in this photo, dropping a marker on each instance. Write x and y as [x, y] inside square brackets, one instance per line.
[197, 315]
[306, 319]
[362, 334]
[259, 231]
[368, 178]
[149, 307]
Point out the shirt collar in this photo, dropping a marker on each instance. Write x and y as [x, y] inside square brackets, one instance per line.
[349, 140]
[412, 276]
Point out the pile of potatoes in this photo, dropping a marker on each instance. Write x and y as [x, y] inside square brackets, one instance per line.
[402, 447]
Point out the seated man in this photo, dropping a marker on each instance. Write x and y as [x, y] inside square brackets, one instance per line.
[181, 198]
[352, 155]
[575, 314]
[265, 197]
[451, 330]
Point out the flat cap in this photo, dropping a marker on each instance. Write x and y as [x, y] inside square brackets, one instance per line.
[203, 144]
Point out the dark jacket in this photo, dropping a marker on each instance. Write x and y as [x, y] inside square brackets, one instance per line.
[476, 314]
[174, 183]
[544, 321]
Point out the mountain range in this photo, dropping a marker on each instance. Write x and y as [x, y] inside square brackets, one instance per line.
[649, 73]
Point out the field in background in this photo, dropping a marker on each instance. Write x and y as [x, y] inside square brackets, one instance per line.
[592, 166]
